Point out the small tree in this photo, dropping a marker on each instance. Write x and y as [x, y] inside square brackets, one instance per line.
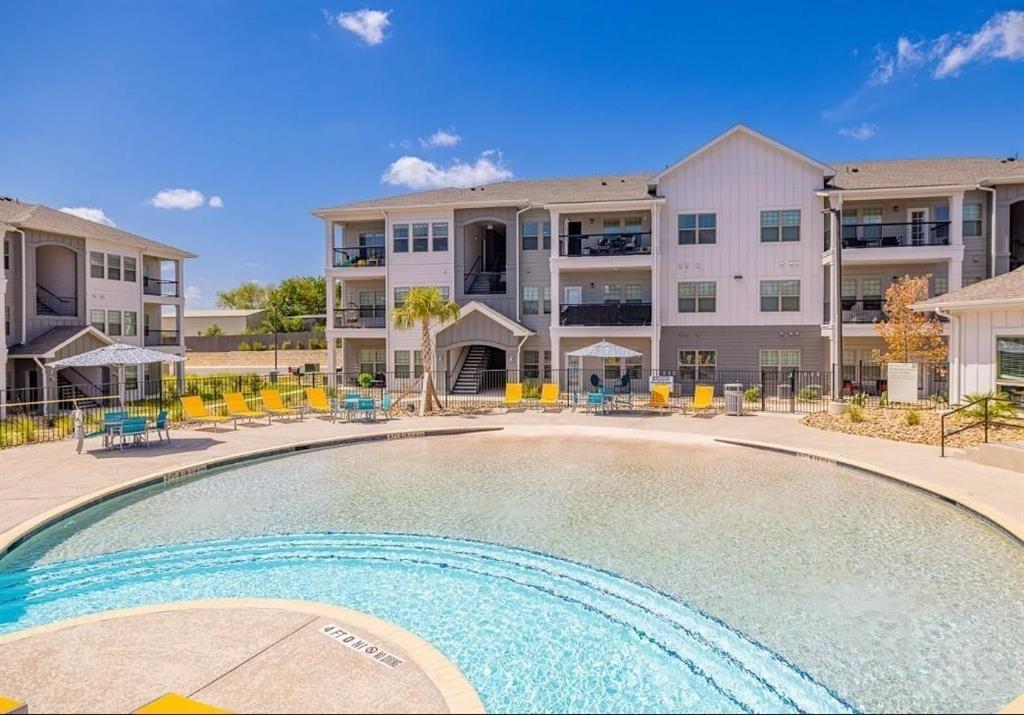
[423, 306]
[213, 331]
[909, 335]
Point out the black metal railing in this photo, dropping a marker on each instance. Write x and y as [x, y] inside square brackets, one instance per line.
[606, 314]
[895, 235]
[157, 338]
[161, 287]
[368, 316]
[867, 311]
[485, 283]
[870, 379]
[359, 256]
[63, 305]
[604, 244]
[986, 415]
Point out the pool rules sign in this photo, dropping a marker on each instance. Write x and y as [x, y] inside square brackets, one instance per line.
[902, 381]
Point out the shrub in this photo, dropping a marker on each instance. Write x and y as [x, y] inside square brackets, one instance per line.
[317, 344]
[365, 380]
[752, 394]
[244, 346]
[531, 390]
[809, 394]
[285, 345]
[999, 409]
[883, 399]
[257, 346]
[940, 398]
[298, 345]
[860, 399]
[855, 412]
[912, 418]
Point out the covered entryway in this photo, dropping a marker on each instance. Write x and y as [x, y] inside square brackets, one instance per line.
[475, 352]
[485, 252]
[56, 281]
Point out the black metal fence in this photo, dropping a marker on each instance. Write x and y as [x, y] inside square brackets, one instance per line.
[870, 379]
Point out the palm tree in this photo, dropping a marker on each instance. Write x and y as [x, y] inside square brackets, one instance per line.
[424, 305]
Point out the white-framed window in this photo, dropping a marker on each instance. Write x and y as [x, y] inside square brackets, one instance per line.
[403, 364]
[546, 232]
[7, 320]
[439, 235]
[635, 367]
[780, 225]
[7, 254]
[531, 234]
[972, 219]
[547, 364]
[400, 295]
[400, 237]
[612, 369]
[871, 288]
[444, 292]
[372, 360]
[113, 322]
[547, 300]
[98, 320]
[1010, 359]
[531, 364]
[634, 293]
[780, 360]
[633, 224]
[697, 365]
[612, 293]
[420, 237]
[113, 267]
[697, 228]
[131, 377]
[782, 295]
[940, 285]
[697, 297]
[611, 225]
[97, 265]
[131, 323]
[531, 300]
[130, 270]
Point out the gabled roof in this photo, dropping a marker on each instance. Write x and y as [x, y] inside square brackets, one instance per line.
[475, 306]
[826, 170]
[47, 344]
[910, 173]
[43, 218]
[1003, 289]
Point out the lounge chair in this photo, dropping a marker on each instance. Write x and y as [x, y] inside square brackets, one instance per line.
[513, 394]
[177, 703]
[703, 400]
[195, 412]
[273, 404]
[10, 706]
[659, 397]
[239, 409]
[317, 402]
[549, 397]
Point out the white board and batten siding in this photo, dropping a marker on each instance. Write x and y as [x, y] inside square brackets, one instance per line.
[974, 347]
[737, 179]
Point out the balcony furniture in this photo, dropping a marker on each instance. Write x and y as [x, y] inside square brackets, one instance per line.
[359, 257]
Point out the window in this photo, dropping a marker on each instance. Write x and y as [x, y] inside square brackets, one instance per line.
[439, 232]
[420, 237]
[972, 219]
[697, 365]
[634, 293]
[402, 364]
[130, 272]
[872, 222]
[612, 369]
[780, 360]
[530, 235]
[1010, 359]
[372, 360]
[400, 294]
[131, 377]
[940, 285]
[113, 267]
[7, 320]
[849, 286]
[444, 292]
[697, 297]
[96, 265]
[531, 300]
[697, 228]
[531, 364]
[784, 226]
[612, 293]
[611, 225]
[371, 239]
[7, 255]
[633, 224]
[98, 320]
[780, 296]
[113, 322]
[546, 228]
[131, 323]
[547, 300]
[400, 237]
[547, 364]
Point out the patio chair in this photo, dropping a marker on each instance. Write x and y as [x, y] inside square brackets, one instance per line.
[162, 426]
[134, 429]
[176, 703]
[317, 402]
[549, 397]
[659, 397]
[596, 401]
[513, 394]
[273, 404]
[195, 412]
[625, 385]
[11, 706]
[595, 381]
[368, 406]
[240, 410]
[385, 404]
[703, 400]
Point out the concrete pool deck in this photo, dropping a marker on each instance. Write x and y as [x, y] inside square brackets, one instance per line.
[238, 655]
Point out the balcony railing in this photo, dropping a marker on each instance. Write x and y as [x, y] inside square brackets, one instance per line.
[370, 316]
[865, 311]
[893, 235]
[606, 314]
[604, 244]
[162, 338]
[160, 287]
[358, 256]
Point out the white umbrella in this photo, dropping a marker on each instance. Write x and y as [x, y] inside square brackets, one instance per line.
[604, 349]
[117, 355]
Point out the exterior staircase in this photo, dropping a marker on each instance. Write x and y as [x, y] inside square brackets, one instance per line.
[79, 388]
[468, 381]
[43, 309]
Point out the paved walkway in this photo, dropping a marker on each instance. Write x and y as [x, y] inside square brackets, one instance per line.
[38, 479]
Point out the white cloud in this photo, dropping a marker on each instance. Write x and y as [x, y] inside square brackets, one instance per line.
[1001, 38]
[193, 294]
[215, 202]
[368, 24]
[184, 199]
[442, 138]
[861, 132]
[89, 214]
[884, 70]
[416, 173]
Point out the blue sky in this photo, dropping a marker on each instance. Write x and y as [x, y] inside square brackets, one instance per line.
[277, 108]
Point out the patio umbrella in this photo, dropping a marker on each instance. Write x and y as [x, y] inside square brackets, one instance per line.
[117, 355]
[604, 349]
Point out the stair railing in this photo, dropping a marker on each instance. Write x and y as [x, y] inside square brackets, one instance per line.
[985, 421]
[59, 305]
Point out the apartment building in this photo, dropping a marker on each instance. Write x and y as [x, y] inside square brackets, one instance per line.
[721, 261]
[70, 285]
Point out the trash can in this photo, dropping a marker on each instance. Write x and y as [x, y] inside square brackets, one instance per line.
[734, 399]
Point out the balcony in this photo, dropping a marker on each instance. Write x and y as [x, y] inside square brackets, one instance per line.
[606, 314]
[370, 316]
[162, 338]
[359, 257]
[160, 287]
[866, 312]
[893, 235]
[605, 244]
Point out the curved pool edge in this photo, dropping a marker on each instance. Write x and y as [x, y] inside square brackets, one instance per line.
[455, 689]
[17, 534]
[1002, 521]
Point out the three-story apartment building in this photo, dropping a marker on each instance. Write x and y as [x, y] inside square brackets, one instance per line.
[720, 261]
[70, 285]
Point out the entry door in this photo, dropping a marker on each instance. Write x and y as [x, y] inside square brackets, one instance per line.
[573, 295]
[918, 220]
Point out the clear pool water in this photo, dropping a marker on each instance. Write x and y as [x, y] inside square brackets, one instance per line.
[851, 591]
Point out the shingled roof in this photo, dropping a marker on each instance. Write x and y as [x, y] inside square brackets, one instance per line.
[1005, 288]
[909, 173]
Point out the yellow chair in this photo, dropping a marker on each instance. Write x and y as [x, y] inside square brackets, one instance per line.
[239, 410]
[659, 397]
[317, 402]
[177, 704]
[273, 404]
[703, 399]
[10, 706]
[195, 412]
[549, 396]
[513, 394]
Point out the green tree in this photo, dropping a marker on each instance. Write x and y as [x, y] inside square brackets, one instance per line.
[245, 296]
[424, 306]
[300, 295]
[213, 331]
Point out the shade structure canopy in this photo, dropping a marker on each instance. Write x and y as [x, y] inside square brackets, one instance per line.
[604, 349]
[116, 355]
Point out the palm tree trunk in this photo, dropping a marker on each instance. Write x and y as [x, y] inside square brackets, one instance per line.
[429, 395]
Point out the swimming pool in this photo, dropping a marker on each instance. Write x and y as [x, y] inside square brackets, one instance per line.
[769, 582]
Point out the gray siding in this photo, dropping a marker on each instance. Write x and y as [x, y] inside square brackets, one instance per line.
[738, 346]
[536, 270]
[14, 287]
[504, 304]
[1006, 196]
[39, 324]
[976, 248]
[476, 328]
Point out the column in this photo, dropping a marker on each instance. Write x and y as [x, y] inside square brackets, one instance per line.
[956, 238]
[835, 297]
[556, 290]
[328, 243]
[179, 376]
[556, 353]
[179, 278]
[656, 288]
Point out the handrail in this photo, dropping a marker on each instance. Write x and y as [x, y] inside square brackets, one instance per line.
[84, 380]
[61, 301]
[469, 276]
[985, 420]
